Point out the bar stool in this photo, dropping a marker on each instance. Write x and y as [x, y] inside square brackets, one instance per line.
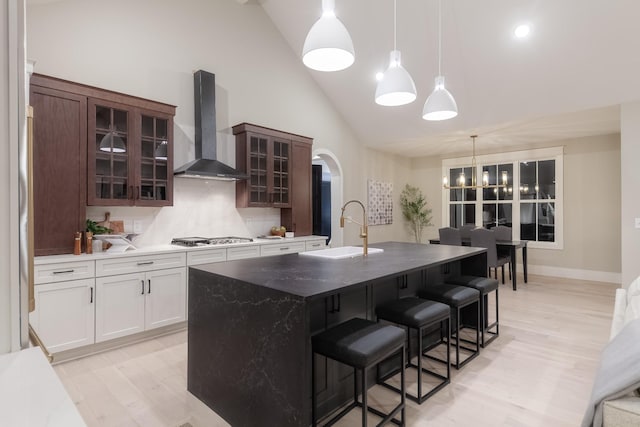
[484, 285]
[419, 314]
[361, 344]
[456, 297]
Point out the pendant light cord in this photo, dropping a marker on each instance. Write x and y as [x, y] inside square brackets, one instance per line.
[439, 35]
[395, 24]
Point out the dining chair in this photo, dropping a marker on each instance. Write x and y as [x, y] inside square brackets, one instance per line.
[465, 231]
[504, 233]
[450, 236]
[483, 238]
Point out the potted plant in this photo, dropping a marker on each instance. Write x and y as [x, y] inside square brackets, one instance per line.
[415, 211]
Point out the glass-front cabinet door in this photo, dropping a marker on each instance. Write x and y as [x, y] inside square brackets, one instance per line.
[109, 152]
[258, 187]
[154, 161]
[268, 163]
[129, 157]
[281, 161]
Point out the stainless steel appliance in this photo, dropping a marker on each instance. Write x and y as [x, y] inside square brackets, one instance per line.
[209, 241]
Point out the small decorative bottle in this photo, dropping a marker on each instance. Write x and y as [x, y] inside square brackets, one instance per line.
[89, 243]
[77, 247]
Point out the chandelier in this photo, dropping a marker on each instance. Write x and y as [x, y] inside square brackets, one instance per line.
[461, 182]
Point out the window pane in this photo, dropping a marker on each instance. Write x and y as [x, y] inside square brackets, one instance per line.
[470, 213]
[489, 215]
[527, 221]
[504, 214]
[454, 195]
[505, 193]
[455, 216]
[469, 195]
[547, 179]
[527, 180]
[546, 222]
[490, 193]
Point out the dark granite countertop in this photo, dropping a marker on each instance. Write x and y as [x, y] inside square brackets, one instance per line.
[312, 277]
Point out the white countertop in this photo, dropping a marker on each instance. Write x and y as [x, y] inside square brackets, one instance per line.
[151, 250]
[31, 394]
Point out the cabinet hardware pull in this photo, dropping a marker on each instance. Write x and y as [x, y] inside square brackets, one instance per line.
[63, 271]
[149, 286]
[145, 263]
[284, 249]
[130, 192]
[339, 304]
[91, 300]
[142, 282]
[137, 192]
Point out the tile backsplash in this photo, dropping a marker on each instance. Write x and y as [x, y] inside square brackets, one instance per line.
[200, 208]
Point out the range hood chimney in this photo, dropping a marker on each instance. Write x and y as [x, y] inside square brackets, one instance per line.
[206, 165]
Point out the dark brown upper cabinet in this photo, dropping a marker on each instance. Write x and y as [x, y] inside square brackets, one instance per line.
[279, 167]
[94, 147]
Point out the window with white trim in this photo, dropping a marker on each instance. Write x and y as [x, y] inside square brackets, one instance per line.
[530, 203]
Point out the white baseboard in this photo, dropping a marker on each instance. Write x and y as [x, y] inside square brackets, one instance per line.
[572, 273]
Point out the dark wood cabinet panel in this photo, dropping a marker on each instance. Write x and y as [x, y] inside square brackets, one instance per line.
[59, 169]
[299, 217]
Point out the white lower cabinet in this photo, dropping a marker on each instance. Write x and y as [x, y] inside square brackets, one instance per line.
[130, 303]
[64, 314]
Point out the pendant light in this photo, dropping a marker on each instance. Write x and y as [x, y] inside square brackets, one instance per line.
[440, 105]
[112, 143]
[396, 86]
[328, 46]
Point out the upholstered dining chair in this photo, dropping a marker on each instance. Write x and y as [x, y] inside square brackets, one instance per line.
[504, 233]
[450, 236]
[465, 231]
[483, 238]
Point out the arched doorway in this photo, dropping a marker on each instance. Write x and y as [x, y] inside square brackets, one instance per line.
[326, 207]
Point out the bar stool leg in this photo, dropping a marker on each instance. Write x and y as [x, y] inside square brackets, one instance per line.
[449, 347]
[364, 398]
[419, 362]
[403, 386]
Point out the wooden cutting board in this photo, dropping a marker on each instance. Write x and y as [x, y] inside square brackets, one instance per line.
[115, 226]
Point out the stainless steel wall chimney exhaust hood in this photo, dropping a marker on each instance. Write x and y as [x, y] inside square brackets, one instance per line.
[206, 165]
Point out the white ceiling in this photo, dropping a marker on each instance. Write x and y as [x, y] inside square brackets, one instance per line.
[567, 80]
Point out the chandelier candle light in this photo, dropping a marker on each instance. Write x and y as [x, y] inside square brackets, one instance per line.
[462, 179]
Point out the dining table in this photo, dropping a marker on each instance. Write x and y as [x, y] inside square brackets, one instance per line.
[512, 246]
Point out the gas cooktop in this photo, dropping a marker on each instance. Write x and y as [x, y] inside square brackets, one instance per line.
[209, 241]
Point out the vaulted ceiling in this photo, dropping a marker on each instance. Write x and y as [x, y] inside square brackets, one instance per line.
[581, 61]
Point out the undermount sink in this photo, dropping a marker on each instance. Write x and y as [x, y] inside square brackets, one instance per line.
[341, 252]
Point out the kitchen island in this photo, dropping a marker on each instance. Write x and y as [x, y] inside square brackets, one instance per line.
[251, 321]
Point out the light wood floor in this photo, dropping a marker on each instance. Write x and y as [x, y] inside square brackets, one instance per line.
[539, 371]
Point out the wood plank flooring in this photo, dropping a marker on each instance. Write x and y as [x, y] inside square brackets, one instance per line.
[539, 371]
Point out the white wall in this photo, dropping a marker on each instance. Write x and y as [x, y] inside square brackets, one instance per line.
[150, 48]
[629, 158]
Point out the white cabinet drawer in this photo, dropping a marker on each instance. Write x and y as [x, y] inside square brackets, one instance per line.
[206, 256]
[282, 248]
[314, 245]
[137, 264]
[62, 272]
[242, 252]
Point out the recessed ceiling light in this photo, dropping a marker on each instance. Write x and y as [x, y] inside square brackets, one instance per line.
[379, 75]
[522, 31]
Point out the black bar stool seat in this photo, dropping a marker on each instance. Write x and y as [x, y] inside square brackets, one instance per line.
[361, 344]
[484, 285]
[419, 314]
[456, 297]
